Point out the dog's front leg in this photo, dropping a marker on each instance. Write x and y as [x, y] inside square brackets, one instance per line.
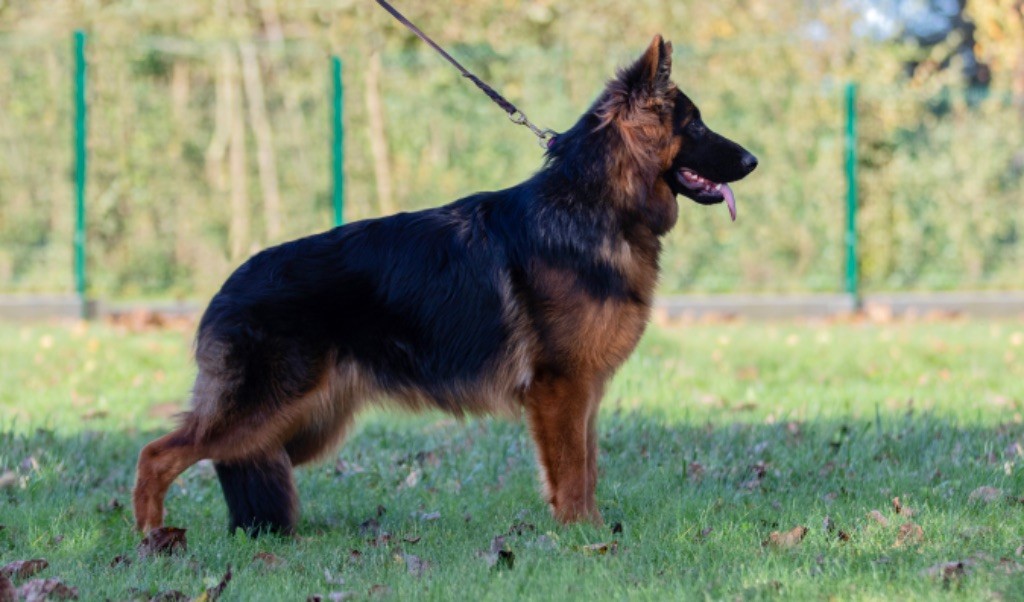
[561, 415]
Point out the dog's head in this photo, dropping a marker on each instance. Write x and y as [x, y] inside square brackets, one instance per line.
[664, 134]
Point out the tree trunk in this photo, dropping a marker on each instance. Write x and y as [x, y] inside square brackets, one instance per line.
[378, 136]
[266, 160]
[239, 222]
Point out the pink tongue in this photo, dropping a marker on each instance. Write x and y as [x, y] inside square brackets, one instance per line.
[730, 200]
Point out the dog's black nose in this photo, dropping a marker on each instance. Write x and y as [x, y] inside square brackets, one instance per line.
[749, 162]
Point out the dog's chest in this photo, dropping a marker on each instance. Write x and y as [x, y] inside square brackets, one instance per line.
[592, 326]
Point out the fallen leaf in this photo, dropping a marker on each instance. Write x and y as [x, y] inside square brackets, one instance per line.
[415, 565]
[120, 560]
[695, 471]
[355, 556]
[985, 494]
[843, 535]
[788, 539]
[520, 528]
[428, 516]
[949, 571]
[506, 560]
[616, 528]
[214, 592]
[163, 540]
[909, 534]
[1010, 566]
[413, 479]
[412, 539]
[23, 569]
[902, 509]
[8, 479]
[268, 560]
[369, 526]
[499, 557]
[381, 540]
[39, 590]
[379, 589]
[601, 549]
[876, 516]
[7, 591]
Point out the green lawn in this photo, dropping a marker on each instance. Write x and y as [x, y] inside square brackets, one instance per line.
[713, 437]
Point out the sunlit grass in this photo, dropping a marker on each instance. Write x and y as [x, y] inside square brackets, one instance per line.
[713, 437]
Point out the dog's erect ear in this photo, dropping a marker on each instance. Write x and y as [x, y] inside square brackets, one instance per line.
[640, 87]
[651, 74]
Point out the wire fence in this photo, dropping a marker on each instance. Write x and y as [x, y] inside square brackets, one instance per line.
[201, 153]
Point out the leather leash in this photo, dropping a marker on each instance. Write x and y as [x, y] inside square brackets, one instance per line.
[545, 137]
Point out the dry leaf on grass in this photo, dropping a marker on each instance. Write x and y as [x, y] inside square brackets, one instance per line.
[499, 557]
[120, 560]
[8, 479]
[378, 589]
[369, 526]
[212, 593]
[985, 494]
[39, 590]
[601, 549]
[786, 540]
[521, 527]
[163, 541]
[415, 565]
[268, 560]
[949, 571]
[910, 534]
[877, 516]
[23, 569]
[901, 509]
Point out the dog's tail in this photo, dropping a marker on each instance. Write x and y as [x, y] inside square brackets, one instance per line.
[260, 494]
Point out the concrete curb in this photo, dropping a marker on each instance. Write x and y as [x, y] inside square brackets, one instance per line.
[756, 307]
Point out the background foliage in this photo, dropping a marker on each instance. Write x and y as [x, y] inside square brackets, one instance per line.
[209, 133]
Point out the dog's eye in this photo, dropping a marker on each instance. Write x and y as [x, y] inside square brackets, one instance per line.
[697, 128]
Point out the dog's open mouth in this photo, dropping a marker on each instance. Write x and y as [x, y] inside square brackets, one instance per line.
[706, 191]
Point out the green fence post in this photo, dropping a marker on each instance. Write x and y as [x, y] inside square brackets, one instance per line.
[338, 141]
[81, 132]
[852, 278]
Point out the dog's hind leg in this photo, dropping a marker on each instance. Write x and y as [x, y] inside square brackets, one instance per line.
[160, 463]
[559, 412]
[260, 493]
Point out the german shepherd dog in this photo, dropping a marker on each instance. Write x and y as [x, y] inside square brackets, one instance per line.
[524, 300]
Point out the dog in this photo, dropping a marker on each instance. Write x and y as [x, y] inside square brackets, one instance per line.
[521, 301]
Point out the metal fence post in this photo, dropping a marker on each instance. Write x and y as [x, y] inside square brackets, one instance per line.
[338, 141]
[852, 277]
[81, 133]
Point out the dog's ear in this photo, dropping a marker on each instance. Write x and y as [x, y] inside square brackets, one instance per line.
[651, 74]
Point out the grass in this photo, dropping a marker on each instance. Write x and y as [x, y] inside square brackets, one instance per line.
[713, 437]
